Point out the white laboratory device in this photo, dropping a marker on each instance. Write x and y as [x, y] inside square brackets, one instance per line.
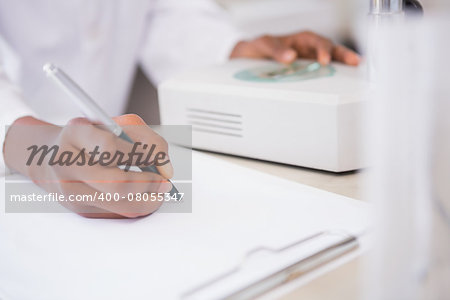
[305, 115]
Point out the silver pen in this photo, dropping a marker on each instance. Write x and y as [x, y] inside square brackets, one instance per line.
[91, 109]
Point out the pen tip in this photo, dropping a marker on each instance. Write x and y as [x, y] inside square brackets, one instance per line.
[49, 68]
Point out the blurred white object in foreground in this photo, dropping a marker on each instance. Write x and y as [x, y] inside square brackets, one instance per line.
[408, 143]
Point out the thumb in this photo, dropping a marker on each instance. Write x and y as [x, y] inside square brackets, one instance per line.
[129, 120]
[136, 133]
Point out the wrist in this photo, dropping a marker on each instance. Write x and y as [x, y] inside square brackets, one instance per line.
[23, 133]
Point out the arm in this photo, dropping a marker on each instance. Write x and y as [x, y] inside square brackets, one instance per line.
[24, 131]
[10, 95]
[185, 34]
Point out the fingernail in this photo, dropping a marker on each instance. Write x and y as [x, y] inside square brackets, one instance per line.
[355, 60]
[165, 187]
[289, 55]
[325, 61]
[166, 170]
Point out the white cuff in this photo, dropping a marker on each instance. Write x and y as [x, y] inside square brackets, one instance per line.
[16, 108]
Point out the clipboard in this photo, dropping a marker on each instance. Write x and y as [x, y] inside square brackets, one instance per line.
[176, 256]
[343, 245]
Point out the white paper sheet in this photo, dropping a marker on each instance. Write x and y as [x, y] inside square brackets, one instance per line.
[64, 256]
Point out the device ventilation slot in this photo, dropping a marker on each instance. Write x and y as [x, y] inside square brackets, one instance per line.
[215, 122]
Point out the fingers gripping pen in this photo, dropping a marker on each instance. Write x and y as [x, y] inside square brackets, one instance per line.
[91, 109]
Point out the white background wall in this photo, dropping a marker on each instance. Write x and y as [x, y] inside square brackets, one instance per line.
[256, 17]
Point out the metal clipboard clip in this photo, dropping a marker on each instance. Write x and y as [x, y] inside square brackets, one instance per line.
[342, 244]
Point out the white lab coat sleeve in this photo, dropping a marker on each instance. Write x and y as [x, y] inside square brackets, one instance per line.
[185, 34]
[11, 100]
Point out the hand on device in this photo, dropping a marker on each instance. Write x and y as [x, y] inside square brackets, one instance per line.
[285, 49]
